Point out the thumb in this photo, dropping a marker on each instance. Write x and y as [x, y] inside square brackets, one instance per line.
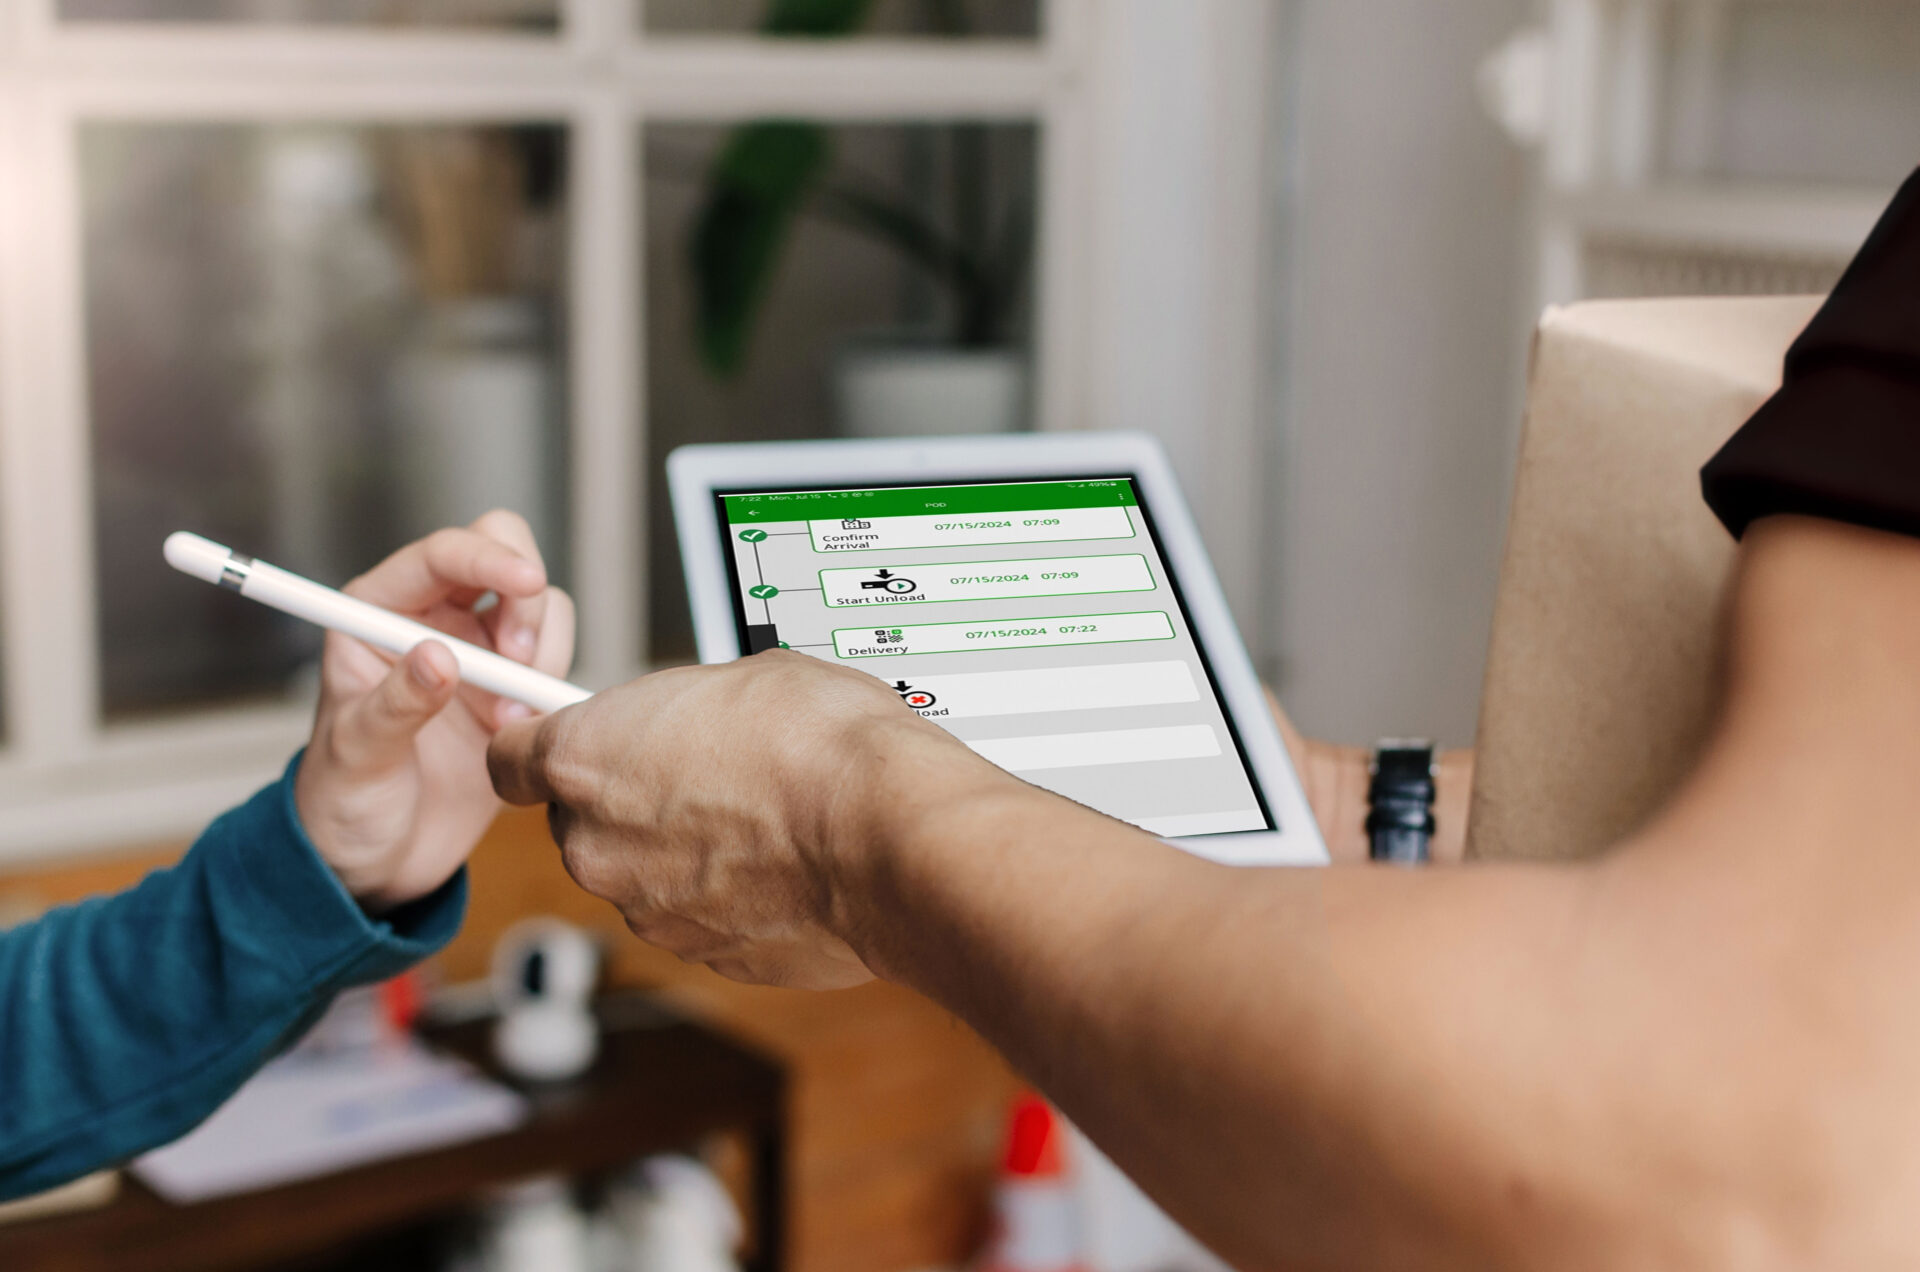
[377, 731]
[515, 761]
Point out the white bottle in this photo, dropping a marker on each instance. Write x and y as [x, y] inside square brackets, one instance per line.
[544, 974]
[534, 1226]
[675, 1216]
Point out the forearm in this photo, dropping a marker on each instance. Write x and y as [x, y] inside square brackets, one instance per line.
[1579, 1066]
[126, 1020]
[1269, 1052]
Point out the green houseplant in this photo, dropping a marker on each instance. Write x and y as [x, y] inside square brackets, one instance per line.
[769, 173]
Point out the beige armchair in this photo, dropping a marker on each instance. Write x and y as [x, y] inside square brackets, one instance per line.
[1600, 676]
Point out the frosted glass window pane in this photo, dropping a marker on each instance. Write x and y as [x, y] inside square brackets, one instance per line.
[1796, 93]
[310, 343]
[950, 19]
[533, 15]
[896, 299]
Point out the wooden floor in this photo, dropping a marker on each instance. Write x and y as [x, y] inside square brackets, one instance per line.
[899, 1108]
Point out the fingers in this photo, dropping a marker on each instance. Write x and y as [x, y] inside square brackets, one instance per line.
[515, 759]
[510, 528]
[449, 565]
[553, 653]
[514, 625]
[375, 733]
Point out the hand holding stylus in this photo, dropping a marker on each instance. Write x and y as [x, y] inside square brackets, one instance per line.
[393, 788]
[508, 626]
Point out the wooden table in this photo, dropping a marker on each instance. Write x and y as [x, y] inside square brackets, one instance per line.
[660, 1084]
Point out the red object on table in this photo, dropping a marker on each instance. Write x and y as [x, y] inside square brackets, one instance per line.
[1036, 1208]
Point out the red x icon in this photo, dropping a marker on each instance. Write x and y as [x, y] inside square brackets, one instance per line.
[919, 698]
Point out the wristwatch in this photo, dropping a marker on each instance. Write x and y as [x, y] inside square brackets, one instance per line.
[1400, 801]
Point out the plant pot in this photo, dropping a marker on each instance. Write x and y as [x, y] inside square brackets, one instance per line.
[903, 390]
[476, 407]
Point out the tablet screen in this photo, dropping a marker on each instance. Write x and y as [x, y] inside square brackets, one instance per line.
[1037, 621]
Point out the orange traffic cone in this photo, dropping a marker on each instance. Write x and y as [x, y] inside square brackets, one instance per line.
[1037, 1214]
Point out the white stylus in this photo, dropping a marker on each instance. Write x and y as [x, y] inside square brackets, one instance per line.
[221, 566]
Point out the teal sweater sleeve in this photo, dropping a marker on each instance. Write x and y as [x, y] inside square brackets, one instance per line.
[127, 1019]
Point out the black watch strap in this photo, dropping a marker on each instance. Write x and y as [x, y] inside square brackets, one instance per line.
[1400, 802]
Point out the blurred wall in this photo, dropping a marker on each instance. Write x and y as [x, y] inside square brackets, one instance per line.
[1818, 93]
[1180, 269]
[1403, 335]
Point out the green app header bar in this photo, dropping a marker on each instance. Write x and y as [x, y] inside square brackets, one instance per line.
[924, 501]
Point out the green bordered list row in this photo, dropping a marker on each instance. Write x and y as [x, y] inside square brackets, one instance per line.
[882, 641]
[918, 501]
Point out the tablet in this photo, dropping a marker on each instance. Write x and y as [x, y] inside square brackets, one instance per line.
[1043, 597]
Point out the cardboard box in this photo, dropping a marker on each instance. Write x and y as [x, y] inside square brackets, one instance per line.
[1601, 673]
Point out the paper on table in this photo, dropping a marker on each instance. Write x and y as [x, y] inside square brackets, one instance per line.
[89, 1192]
[311, 1114]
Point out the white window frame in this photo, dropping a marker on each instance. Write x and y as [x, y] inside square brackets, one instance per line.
[1606, 86]
[1145, 316]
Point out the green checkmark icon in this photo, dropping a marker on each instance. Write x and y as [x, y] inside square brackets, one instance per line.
[752, 536]
[764, 592]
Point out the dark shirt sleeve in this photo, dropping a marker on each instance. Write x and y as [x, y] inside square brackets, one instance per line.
[1841, 439]
[127, 1019]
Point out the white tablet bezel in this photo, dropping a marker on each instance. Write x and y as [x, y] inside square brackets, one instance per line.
[696, 474]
